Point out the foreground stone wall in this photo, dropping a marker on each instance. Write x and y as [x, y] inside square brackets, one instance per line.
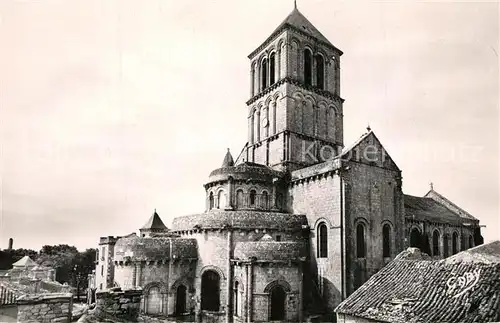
[43, 308]
[119, 305]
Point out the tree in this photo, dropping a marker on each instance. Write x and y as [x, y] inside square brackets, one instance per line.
[59, 257]
[8, 257]
[82, 265]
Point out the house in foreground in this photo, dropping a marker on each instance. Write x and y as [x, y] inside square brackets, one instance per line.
[414, 288]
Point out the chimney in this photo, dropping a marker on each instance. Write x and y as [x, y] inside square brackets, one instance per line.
[11, 242]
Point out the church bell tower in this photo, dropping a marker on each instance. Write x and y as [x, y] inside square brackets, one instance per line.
[295, 114]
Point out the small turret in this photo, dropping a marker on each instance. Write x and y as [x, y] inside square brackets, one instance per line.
[228, 160]
[154, 225]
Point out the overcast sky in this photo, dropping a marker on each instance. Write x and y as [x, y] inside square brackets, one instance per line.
[110, 109]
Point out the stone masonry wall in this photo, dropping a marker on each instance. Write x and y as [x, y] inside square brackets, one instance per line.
[373, 198]
[325, 191]
[266, 274]
[45, 308]
[118, 305]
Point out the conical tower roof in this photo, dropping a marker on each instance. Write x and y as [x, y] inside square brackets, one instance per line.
[297, 20]
[228, 160]
[154, 223]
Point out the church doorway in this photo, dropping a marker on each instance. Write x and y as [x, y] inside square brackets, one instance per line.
[210, 291]
[278, 298]
[180, 300]
[154, 301]
[415, 238]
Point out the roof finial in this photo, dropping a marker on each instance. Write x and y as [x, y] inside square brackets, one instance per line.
[368, 128]
[295, 4]
[432, 186]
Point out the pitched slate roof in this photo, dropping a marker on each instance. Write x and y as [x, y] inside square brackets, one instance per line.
[25, 261]
[414, 289]
[154, 223]
[424, 208]
[449, 204]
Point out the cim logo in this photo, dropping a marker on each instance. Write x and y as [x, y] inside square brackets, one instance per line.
[457, 286]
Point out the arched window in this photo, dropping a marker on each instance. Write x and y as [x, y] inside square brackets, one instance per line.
[446, 245]
[307, 67]
[278, 298]
[360, 241]
[236, 299]
[263, 73]
[322, 243]
[211, 201]
[320, 72]
[154, 300]
[272, 66]
[435, 243]
[386, 237]
[279, 200]
[415, 238]
[265, 200]
[221, 200]
[210, 291]
[252, 197]
[471, 242]
[239, 198]
[454, 243]
[180, 300]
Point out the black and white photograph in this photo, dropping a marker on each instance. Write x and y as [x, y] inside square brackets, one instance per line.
[249, 161]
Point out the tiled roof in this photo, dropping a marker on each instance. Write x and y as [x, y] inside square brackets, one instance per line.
[228, 160]
[297, 20]
[414, 289]
[154, 223]
[424, 208]
[24, 262]
[245, 171]
[240, 220]
[486, 253]
[449, 204]
[152, 249]
[270, 250]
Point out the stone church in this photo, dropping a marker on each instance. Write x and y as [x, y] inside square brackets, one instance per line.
[297, 221]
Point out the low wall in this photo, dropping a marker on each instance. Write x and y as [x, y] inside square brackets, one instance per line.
[8, 313]
[43, 308]
[119, 305]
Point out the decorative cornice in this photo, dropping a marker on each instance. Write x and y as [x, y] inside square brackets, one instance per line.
[296, 82]
[296, 30]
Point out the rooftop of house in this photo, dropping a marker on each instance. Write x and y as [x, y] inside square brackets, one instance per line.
[413, 288]
[25, 261]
